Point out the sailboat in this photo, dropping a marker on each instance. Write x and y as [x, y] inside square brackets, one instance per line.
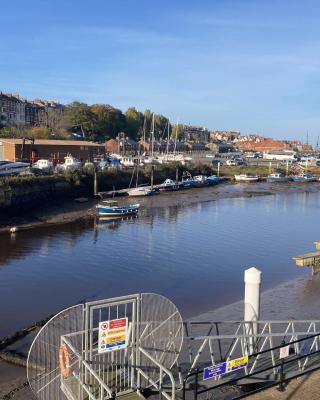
[142, 190]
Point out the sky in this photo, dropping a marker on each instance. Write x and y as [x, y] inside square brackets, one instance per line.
[251, 66]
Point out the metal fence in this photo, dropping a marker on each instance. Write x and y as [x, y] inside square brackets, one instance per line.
[164, 354]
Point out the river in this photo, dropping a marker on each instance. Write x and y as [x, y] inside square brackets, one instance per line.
[194, 254]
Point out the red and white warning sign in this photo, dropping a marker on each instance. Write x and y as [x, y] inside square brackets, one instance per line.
[113, 335]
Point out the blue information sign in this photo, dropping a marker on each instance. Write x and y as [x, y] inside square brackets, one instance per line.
[224, 368]
[214, 370]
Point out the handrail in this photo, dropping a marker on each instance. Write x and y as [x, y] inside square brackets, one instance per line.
[283, 362]
[162, 368]
[87, 366]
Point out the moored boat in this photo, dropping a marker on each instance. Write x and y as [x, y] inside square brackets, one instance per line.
[304, 178]
[246, 178]
[213, 179]
[111, 209]
[276, 177]
[169, 185]
[200, 181]
[187, 180]
[141, 191]
[13, 168]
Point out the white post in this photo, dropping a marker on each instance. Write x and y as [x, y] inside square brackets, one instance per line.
[252, 280]
[218, 168]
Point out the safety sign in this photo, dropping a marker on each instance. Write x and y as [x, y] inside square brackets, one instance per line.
[223, 368]
[113, 335]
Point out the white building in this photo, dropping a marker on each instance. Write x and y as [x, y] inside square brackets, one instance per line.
[285, 155]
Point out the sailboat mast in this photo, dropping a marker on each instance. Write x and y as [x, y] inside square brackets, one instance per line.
[138, 165]
[144, 131]
[175, 140]
[152, 137]
[168, 138]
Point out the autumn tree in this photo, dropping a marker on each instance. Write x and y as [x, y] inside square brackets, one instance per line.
[134, 123]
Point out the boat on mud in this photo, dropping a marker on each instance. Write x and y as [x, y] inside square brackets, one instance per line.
[141, 191]
[277, 177]
[170, 185]
[213, 179]
[246, 178]
[200, 181]
[112, 209]
[304, 178]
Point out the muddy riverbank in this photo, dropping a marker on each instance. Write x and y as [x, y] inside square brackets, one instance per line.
[61, 212]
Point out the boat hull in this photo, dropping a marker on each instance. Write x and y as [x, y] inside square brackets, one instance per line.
[304, 179]
[213, 180]
[242, 178]
[105, 211]
[284, 179]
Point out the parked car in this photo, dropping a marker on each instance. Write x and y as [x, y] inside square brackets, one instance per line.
[231, 163]
[240, 161]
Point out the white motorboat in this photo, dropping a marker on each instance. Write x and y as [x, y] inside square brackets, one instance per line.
[44, 165]
[246, 178]
[141, 191]
[69, 163]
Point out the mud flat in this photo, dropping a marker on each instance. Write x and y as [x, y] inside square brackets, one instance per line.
[68, 211]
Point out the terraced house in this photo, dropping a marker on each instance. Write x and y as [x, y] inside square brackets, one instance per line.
[15, 110]
[12, 109]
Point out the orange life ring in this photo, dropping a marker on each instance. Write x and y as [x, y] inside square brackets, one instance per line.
[64, 361]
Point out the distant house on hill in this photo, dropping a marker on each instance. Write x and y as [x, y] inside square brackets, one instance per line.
[120, 145]
[195, 146]
[264, 144]
[220, 147]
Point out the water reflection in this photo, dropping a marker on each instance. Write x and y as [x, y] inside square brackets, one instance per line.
[193, 254]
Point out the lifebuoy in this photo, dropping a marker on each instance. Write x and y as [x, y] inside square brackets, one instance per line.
[64, 361]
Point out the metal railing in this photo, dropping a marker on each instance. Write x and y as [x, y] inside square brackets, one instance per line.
[77, 385]
[304, 357]
[205, 344]
[157, 382]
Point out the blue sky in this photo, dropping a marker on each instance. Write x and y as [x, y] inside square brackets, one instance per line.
[252, 66]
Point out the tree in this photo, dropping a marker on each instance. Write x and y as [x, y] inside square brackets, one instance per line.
[134, 123]
[78, 117]
[161, 125]
[109, 121]
[177, 131]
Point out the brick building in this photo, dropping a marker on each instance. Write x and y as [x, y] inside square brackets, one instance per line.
[121, 145]
[20, 149]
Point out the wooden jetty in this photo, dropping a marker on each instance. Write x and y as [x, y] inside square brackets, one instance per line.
[310, 259]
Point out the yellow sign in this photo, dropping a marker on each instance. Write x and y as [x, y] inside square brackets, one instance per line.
[238, 361]
[113, 335]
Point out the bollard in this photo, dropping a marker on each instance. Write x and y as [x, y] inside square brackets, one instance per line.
[252, 280]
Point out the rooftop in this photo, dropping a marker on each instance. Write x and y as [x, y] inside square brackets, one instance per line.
[54, 142]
